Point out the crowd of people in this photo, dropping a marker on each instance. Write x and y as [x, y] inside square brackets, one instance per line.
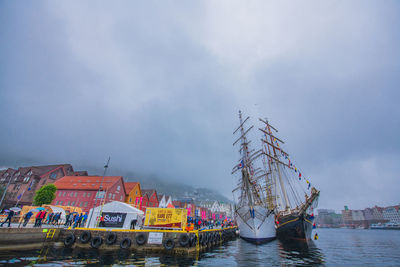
[45, 217]
[198, 223]
[75, 220]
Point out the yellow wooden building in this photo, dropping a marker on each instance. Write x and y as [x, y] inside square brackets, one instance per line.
[133, 192]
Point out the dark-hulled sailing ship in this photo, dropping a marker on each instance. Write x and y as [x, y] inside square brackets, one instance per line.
[294, 214]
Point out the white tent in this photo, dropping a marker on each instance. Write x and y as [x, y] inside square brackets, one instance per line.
[117, 215]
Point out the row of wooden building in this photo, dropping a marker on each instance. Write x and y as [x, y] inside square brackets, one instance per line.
[78, 189]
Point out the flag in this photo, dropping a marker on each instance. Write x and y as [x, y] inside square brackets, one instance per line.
[30, 186]
[314, 226]
[241, 165]
[309, 185]
[299, 175]
[19, 197]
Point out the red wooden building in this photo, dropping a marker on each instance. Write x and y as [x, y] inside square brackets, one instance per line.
[24, 181]
[81, 191]
[149, 199]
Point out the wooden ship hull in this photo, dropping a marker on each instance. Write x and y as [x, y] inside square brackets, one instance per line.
[294, 227]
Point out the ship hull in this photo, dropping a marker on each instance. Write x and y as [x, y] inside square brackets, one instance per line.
[294, 227]
[258, 229]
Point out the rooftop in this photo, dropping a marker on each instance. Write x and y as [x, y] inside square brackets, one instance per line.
[129, 186]
[86, 182]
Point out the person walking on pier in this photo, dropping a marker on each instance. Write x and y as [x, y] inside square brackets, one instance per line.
[40, 218]
[27, 218]
[9, 217]
[56, 218]
[84, 218]
[67, 219]
[37, 219]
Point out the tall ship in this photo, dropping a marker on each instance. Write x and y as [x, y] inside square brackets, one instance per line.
[254, 200]
[294, 213]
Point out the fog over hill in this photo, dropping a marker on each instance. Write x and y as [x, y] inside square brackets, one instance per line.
[166, 186]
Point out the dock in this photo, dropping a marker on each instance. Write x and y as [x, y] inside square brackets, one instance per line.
[150, 240]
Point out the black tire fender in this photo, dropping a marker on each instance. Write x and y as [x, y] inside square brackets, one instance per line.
[111, 238]
[193, 239]
[141, 239]
[96, 242]
[69, 240]
[215, 237]
[168, 243]
[184, 240]
[206, 237]
[85, 237]
[125, 243]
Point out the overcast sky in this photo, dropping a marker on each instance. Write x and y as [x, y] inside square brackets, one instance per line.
[157, 86]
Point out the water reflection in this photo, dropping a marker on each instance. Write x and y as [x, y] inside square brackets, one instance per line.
[334, 247]
[300, 253]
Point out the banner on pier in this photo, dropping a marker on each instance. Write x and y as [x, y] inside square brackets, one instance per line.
[166, 218]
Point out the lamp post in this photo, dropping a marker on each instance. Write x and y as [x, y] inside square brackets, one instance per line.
[98, 192]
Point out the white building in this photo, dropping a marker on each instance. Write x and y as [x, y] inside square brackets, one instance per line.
[164, 200]
[392, 214]
[358, 215]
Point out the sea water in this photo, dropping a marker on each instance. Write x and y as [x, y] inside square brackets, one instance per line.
[335, 247]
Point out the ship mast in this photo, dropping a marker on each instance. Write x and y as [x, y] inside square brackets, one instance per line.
[245, 151]
[274, 158]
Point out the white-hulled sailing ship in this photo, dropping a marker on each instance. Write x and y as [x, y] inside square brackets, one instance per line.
[294, 214]
[254, 207]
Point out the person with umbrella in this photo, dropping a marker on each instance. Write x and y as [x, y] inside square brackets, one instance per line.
[10, 215]
[27, 217]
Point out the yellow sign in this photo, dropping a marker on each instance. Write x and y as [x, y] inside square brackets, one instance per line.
[166, 218]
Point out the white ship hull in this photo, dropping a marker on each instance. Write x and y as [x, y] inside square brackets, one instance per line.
[259, 228]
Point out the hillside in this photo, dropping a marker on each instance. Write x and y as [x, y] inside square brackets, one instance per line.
[175, 189]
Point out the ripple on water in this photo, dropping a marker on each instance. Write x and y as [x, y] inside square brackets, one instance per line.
[345, 247]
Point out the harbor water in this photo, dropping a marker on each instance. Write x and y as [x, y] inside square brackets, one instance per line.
[335, 247]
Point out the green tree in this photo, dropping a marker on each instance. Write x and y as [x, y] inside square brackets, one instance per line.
[45, 195]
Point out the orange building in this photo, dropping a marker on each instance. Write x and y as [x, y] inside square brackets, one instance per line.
[133, 192]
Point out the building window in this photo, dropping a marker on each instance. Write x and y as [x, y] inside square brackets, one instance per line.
[56, 202]
[89, 194]
[120, 199]
[130, 199]
[76, 194]
[84, 194]
[53, 175]
[86, 204]
[113, 196]
[65, 193]
[109, 195]
[118, 188]
[60, 203]
[72, 203]
[71, 194]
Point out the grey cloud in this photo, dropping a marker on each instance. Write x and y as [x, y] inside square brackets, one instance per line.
[158, 87]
